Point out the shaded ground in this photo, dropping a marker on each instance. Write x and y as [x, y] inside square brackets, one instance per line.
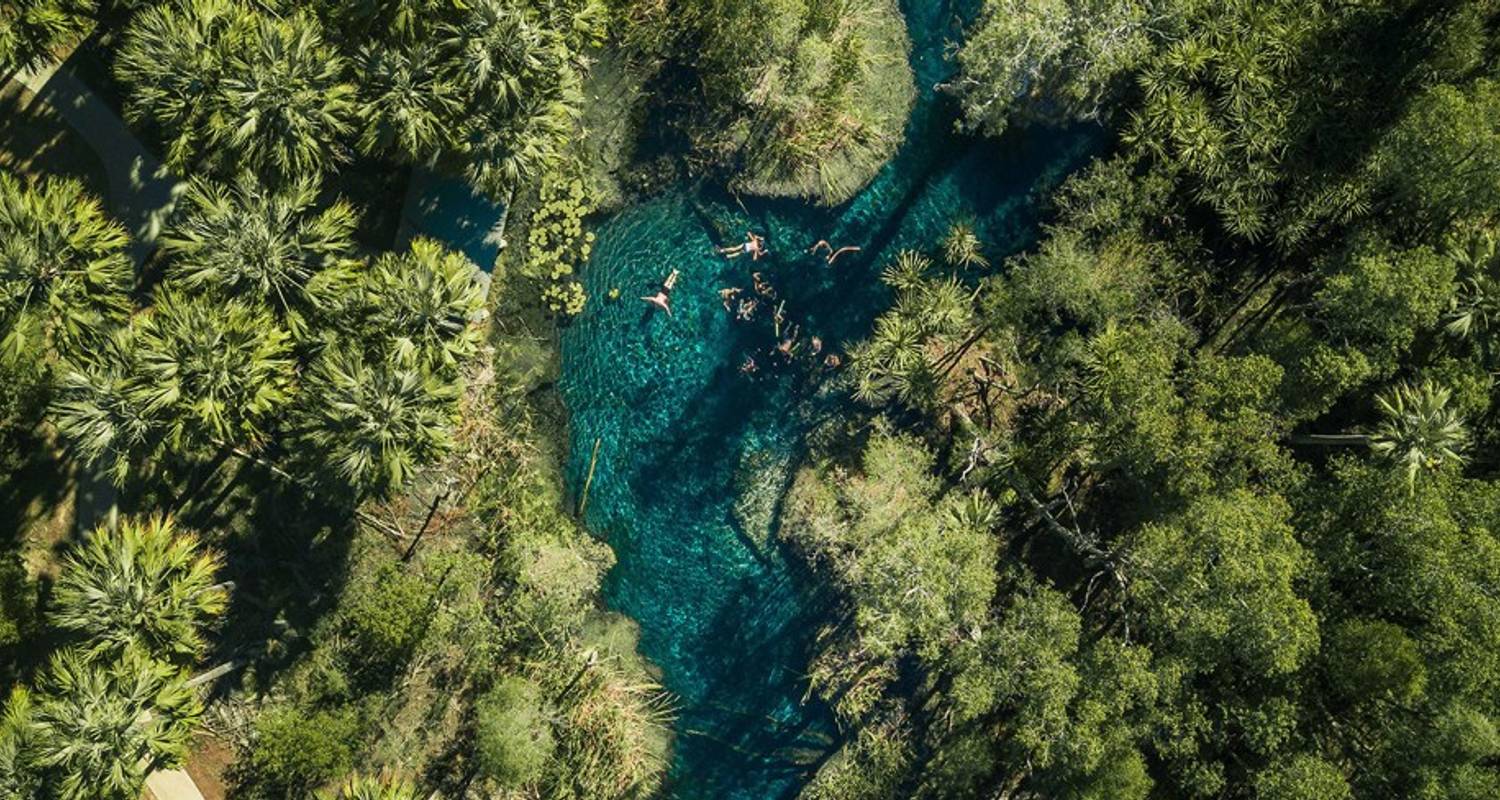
[36, 141]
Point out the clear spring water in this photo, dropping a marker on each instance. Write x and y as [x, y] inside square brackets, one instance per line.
[730, 622]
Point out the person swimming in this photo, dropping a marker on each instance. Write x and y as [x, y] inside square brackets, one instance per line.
[749, 367]
[763, 287]
[754, 245]
[663, 297]
[746, 310]
[728, 294]
[833, 254]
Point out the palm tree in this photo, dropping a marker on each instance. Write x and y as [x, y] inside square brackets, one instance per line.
[374, 423]
[962, 248]
[1418, 430]
[500, 52]
[95, 730]
[172, 61]
[144, 585]
[101, 410]
[64, 274]
[17, 778]
[412, 107]
[507, 148]
[1476, 303]
[246, 240]
[364, 787]
[217, 370]
[425, 299]
[31, 29]
[284, 109]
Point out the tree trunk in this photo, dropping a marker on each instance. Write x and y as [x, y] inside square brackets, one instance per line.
[1331, 439]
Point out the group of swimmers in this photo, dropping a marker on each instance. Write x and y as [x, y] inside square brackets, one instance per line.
[744, 308]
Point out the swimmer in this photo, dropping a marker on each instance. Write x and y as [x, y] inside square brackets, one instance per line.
[816, 345]
[754, 245]
[747, 309]
[663, 298]
[763, 287]
[749, 367]
[834, 255]
[833, 361]
[727, 295]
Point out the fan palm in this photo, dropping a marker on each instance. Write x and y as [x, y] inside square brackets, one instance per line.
[500, 52]
[172, 60]
[218, 370]
[375, 423]
[101, 410]
[1418, 429]
[245, 240]
[412, 108]
[285, 108]
[143, 585]
[1476, 303]
[31, 29]
[425, 300]
[64, 273]
[364, 787]
[17, 779]
[95, 730]
[510, 147]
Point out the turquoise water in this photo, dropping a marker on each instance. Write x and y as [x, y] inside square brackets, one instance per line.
[724, 614]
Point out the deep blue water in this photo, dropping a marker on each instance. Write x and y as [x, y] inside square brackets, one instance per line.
[731, 622]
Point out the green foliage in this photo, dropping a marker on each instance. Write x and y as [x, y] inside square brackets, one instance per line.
[30, 30]
[1443, 158]
[231, 87]
[1302, 777]
[294, 751]
[806, 98]
[245, 239]
[374, 422]
[92, 731]
[17, 601]
[424, 302]
[219, 372]
[360, 787]
[1223, 589]
[143, 585]
[64, 275]
[385, 614]
[1050, 61]
[557, 245]
[513, 739]
[1418, 431]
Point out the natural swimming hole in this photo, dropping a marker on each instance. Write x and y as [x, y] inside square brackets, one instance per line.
[682, 434]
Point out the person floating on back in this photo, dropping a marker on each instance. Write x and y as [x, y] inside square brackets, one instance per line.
[663, 298]
[754, 245]
[833, 255]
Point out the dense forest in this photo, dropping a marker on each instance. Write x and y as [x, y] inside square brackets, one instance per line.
[1189, 498]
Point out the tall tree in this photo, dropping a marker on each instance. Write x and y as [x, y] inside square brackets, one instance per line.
[248, 239]
[373, 422]
[144, 585]
[64, 273]
[285, 108]
[31, 29]
[101, 408]
[217, 371]
[94, 730]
